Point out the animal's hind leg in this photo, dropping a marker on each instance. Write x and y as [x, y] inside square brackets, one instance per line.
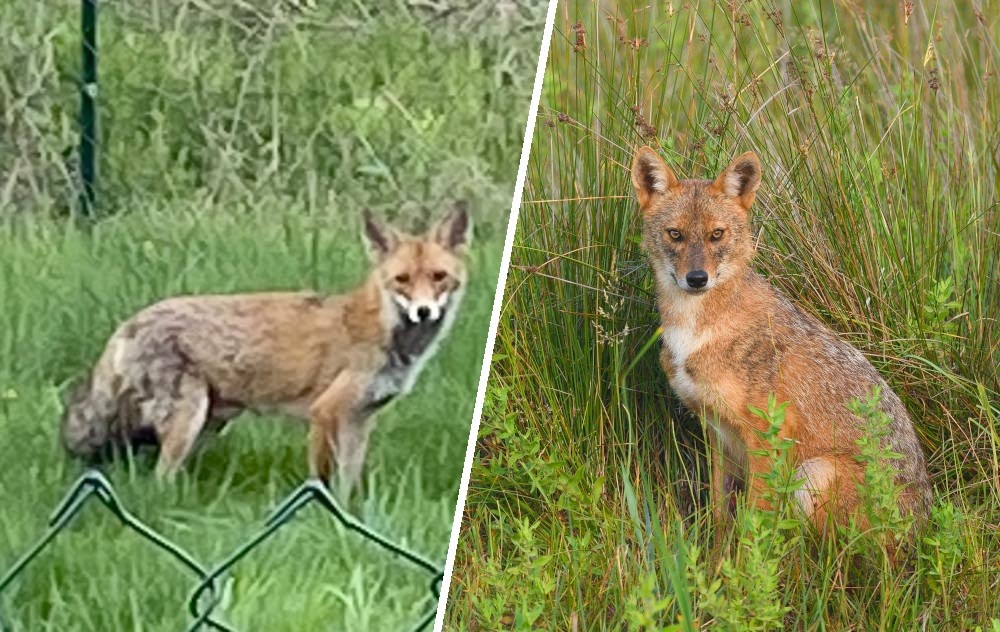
[829, 489]
[178, 418]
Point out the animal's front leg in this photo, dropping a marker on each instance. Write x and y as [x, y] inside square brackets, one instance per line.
[351, 448]
[759, 468]
[728, 460]
[331, 412]
[718, 498]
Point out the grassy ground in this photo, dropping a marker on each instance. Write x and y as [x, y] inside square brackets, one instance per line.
[241, 142]
[878, 213]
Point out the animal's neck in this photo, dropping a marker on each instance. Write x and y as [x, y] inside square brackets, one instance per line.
[368, 313]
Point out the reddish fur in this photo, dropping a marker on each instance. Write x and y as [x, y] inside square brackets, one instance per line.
[187, 362]
[742, 340]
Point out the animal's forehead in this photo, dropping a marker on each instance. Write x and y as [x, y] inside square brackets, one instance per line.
[692, 203]
[414, 252]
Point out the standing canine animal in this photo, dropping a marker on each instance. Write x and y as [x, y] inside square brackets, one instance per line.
[730, 339]
[189, 362]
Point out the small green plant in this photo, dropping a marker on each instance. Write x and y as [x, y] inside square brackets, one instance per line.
[780, 481]
[943, 552]
[647, 607]
[937, 323]
[747, 596]
[940, 305]
[753, 577]
[879, 492]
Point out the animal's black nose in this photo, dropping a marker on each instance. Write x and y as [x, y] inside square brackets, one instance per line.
[697, 278]
[423, 312]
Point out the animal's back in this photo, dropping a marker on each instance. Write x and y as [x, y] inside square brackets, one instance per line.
[779, 348]
[257, 348]
[821, 374]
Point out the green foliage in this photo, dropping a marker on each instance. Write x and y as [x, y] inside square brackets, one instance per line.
[746, 594]
[230, 103]
[780, 481]
[537, 499]
[240, 143]
[877, 213]
[943, 551]
[939, 317]
[647, 608]
[879, 493]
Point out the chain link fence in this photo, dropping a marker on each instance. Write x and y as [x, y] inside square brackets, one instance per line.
[206, 595]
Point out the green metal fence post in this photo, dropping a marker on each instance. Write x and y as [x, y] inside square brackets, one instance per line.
[88, 109]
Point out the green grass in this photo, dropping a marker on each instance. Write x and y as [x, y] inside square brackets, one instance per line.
[241, 143]
[232, 103]
[878, 212]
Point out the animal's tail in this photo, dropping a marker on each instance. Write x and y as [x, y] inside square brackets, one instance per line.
[87, 420]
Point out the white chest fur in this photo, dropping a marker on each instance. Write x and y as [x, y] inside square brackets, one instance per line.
[683, 341]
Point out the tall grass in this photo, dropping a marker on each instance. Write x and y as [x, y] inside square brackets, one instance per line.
[240, 143]
[877, 130]
[306, 103]
[64, 292]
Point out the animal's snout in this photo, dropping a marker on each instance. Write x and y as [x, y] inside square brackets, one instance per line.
[423, 312]
[697, 279]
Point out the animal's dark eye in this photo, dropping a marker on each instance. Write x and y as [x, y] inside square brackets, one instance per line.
[674, 234]
[717, 234]
[439, 275]
[402, 278]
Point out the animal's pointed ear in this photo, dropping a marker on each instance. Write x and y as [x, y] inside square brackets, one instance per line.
[651, 176]
[379, 238]
[454, 230]
[740, 179]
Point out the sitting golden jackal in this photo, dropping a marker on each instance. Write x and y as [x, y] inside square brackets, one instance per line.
[730, 339]
[192, 362]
